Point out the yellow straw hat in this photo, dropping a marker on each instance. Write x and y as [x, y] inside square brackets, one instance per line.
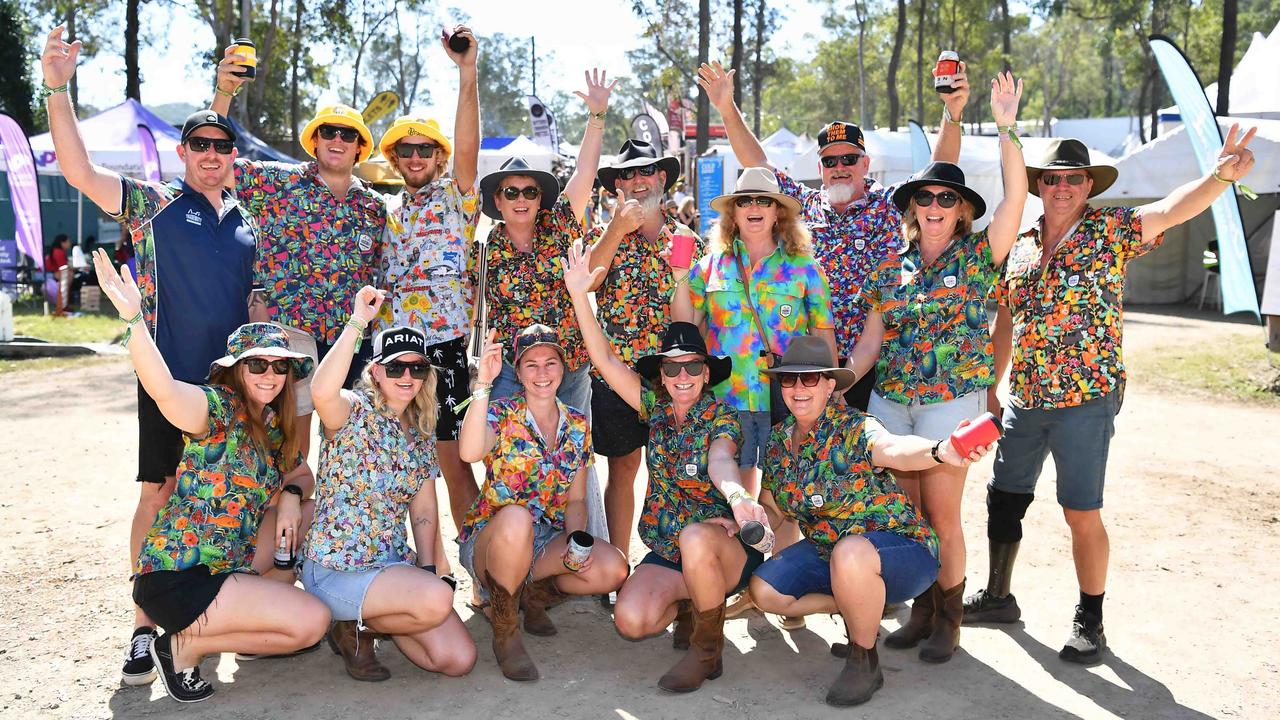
[343, 115]
[410, 125]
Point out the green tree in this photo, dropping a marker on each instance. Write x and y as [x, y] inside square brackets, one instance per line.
[15, 85]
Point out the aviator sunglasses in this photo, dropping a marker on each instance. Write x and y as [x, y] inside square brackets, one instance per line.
[749, 200]
[348, 135]
[417, 370]
[945, 199]
[258, 366]
[408, 150]
[695, 368]
[845, 160]
[1052, 179]
[807, 379]
[222, 147]
[530, 192]
[628, 173]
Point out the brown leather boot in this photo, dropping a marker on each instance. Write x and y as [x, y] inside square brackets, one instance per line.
[702, 660]
[684, 625]
[537, 597]
[357, 651]
[859, 679]
[942, 644]
[920, 625]
[508, 646]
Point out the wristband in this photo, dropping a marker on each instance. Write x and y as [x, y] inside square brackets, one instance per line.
[46, 92]
[480, 393]
[934, 452]
[598, 116]
[1245, 190]
[128, 329]
[292, 490]
[359, 328]
[738, 495]
[946, 117]
[220, 91]
[1012, 132]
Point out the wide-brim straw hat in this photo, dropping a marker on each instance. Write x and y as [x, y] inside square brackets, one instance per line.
[755, 182]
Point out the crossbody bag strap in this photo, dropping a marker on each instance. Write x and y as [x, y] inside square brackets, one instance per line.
[746, 290]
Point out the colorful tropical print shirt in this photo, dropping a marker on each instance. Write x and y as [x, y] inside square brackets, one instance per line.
[790, 294]
[830, 486]
[316, 250]
[522, 470]
[526, 288]
[370, 471]
[680, 491]
[936, 343]
[849, 245]
[1067, 320]
[425, 255]
[224, 484]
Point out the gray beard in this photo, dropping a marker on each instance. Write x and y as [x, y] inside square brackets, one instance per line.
[651, 204]
[840, 194]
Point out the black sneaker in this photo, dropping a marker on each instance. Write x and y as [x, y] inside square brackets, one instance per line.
[1087, 639]
[185, 686]
[983, 607]
[138, 667]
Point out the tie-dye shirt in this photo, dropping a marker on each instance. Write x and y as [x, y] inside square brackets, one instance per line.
[1067, 320]
[522, 470]
[680, 491]
[830, 486]
[936, 343]
[425, 256]
[315, 250]
[370, 471]
[789, 293]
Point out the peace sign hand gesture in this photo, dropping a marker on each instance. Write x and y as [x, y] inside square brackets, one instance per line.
[597, 95]
[119, 287]
[1236, 159]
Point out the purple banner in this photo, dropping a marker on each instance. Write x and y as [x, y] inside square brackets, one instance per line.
[150, 156]
[24, 193]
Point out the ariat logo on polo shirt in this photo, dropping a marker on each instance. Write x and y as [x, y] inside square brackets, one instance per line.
[193, 217]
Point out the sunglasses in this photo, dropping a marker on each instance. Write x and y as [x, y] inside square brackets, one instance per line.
[222, 147]
[749, 200]
[417, 370]
[695, 368]
[1052, 179]
[258, 366]
[628, 173]
[531, 192]
[408, 150]
[945, 199]
[845, 160]
[348, 135]
[807, 379]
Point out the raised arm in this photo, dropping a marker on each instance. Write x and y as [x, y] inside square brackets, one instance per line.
[579, 281]
[333, 403]
[912, 452]
[1234, 162]
[466, 123]
[228, 82]
[578, 189]
[948, 147]
[1003, 230]
[475, 438]
[718, 84]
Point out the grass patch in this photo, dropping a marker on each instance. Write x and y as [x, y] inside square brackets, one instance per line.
[86, 328]
[59, 365]
[1237, 366]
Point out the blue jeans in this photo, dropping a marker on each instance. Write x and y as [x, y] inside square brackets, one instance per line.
[906, 566]
[574, 391]
[755, 438]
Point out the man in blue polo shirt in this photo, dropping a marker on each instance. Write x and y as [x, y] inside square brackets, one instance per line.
[195, 255]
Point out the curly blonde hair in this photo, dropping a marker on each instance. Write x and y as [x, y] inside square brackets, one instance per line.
[421, 412]
[796, 239]
[911, 225]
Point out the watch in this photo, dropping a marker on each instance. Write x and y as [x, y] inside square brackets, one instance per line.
[934, 452]
[294, 489]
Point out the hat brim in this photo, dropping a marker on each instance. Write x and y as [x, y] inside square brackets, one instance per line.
[1104, 176]
[396, 133]
[722, 203]
[608, 176]
[902, 196]
[844, 377]
[554, 346]
[489, 188]
[393, 356]
[650, 366]
[302, 362]
[224, 128]
[308, 140]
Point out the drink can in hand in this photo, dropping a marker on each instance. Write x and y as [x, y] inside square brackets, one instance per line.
[755, 534]
[458, 43]
[681, 252]
[248, 66]
[983, 431]
[945, 71]
[579, 550]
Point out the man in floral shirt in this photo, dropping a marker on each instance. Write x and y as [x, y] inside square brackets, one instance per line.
[1060, 316]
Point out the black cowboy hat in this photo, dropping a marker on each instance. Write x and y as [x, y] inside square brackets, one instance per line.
[683, 338]
[1071, 154]
[939, 173]
[638, 153]
[516, 166]
[809, 354]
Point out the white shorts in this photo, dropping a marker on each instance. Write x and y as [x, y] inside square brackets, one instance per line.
[934, 421]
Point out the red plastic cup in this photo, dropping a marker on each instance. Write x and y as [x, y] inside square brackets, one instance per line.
[681, 251]
[981, 432]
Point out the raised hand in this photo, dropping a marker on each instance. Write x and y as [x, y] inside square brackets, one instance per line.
[597, 95]
[578, 275]
[490, 359]
[628, 215]
[955, 101]
[229, 68]
[366, 304]
[1005, 96]
[462, 59]
[119, 287]
[59, 59]
[1236, 159]
[717, 82]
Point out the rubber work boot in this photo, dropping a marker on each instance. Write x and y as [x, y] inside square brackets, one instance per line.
[994, 603]
[358, 652]
[508, 646]
[683, 626]
[942, 644]
[702, 660]
[920, 625]
[859, 679]
[537, 597]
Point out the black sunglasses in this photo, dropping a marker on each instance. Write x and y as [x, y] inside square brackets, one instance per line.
[417, 370]
[807, 379]
[846, 160]
[695, 368]
[749, 200]
[258, 366]
[1052, 179]
[945, 199]
[530, 192]
[348, 135]
[628, 173]
[422, 150]
[222, 147]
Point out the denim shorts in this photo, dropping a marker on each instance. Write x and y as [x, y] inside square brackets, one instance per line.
[1078, 437]
[906, 566]
[754, 560]
[755, 437]
[342, 591]
[574, 390]
[543, 534]
[933, 421]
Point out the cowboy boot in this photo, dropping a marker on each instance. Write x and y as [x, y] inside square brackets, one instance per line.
[859, 679]
[358, 653]
[537, 597]
[508, 647]
[684, 625]
[994, 603]
[942, 644]
[920, 625]
[702, 660]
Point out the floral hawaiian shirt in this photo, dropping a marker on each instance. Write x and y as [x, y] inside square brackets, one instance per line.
[1067, 322]
[526, 288]
[680, 491]
[522, 470]
[830, 486]
[790, 294]
[316, 250]
[849, 245]
[370, 471]
[224, 484]
[936, 343]
[425, 256]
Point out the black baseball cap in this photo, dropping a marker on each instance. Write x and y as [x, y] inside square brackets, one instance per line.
[206, 118]
[394, 342]
[841, 132]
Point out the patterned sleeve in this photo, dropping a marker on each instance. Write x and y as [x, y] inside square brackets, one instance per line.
[773, 450]
[495, 414]
[726, 425]
[789, 186]
[817, 297]
[1124, 227]
[561, 216]
[698, 283]
[252, 181]
[218, 399]
[139, 203]
[872, 430]
[469, 203]
[869, 297]
[648, 403]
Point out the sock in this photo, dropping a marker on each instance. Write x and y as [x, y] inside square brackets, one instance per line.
[1092, 603]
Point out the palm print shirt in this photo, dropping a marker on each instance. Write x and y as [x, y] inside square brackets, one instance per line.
[526, 288]
[936, 343]
[790, 294]
[316, 250]
[370, 471]
[830, 486]
[224, 484]
[1067, 323]
[680, 491]
[425, 253]
[849, 245]
[522, 470]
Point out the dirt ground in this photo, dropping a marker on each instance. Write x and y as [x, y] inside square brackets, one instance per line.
[1191, 613]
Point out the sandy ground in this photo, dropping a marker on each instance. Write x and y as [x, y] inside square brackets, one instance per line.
[1193, 515]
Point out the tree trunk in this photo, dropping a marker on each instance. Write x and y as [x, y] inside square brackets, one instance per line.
[132, 76]
[757, 70]
[704, 52]
[736, 60]
[266, 54]
[891, 76]
[1226, 56]
[1006, 42]
[920, 60]
[864, 117]
[69, 19]
[294, 60]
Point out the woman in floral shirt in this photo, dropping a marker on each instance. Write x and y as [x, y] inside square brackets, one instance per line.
[694, 504]
[377, 465]
[200, 574]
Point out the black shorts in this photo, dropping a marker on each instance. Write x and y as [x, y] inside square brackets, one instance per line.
[616, 430]
[159, 443]
[755, 559]
[453, 383]
[174, 599]
[860, 394]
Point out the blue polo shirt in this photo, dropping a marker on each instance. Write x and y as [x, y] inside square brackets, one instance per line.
[195, 270]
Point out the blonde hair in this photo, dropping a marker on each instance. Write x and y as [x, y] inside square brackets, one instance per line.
[911, 225]
[796, 239]
[284, 406]
[421, 412]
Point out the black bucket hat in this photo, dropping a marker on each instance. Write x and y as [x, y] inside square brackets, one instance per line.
[683, 338]
[939, 173]
[516, 166]
[638, 153]
[1071, 154]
